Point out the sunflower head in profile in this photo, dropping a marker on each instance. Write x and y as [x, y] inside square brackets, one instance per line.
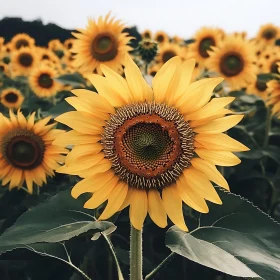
[42, 82]
[22, 40]
[205, 38]
[168, 50]
[234, 60]
[149, 148]
[273, 100]
[27, 154]
[161, 37]
[24, 60]
[11, 98]
[101, 42]
[268, 33]
[147, 34]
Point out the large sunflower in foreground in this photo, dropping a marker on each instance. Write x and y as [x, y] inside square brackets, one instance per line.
[11, 98]
[101, 42]
[205, 38]
[42, 82]
[149, 148]
[234, 60]
[27, 154]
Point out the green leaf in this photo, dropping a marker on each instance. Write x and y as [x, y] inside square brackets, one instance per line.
[236, 238]
[58, 218]
[75, 79]
[272, 152]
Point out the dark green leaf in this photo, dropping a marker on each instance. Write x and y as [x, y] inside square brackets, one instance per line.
[236, 238]
[272, 152]
[58, 218]
[75, 79]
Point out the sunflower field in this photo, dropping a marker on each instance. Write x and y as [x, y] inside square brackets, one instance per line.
[140, 156]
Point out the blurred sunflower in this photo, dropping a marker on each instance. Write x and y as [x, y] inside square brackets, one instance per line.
[68, 44]
[45, 54]
[11, 98]
[268, 33]
[149, 148]
[205, 38]
[42, 83]
[154, 69]
[273, 88]
[101, 42]
[271, 64]
[147, 34]
[26, 150]
[234, 60]
[24, 60]
[161, 37]
[22, 40]
[169, 50]
[259, 88]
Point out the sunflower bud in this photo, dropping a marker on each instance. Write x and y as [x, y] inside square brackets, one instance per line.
[147, 50]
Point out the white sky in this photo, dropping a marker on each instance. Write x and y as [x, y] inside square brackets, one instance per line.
[176, 17]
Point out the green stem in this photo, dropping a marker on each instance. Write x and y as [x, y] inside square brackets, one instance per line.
[267, 128]
[159, 267]
[136, 259]
[146, 68]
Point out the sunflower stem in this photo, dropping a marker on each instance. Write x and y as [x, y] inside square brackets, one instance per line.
[146, 69]
[153, 273]
[136, 258]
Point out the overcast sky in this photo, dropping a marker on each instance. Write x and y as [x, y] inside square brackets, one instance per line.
[176, 17]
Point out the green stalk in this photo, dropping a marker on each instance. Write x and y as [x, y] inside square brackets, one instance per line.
[136, 258]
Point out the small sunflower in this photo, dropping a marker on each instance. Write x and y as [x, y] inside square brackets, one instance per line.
[161, 37]
[271, 64]
[268, 33]
[26, 150]
[149, 148]
[169, 50]
[147, 34]
[68, 44]
[101, 42]
[273, 88]
[11, 98]
[259, 88]
[205, 38]
[42, 83]
[45, 54]
[2, 40]
[22, 40]
[234, 60]
[24, 60]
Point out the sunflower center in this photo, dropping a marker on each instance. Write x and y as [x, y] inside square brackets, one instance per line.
[274, 67]
[231, 64]
[205, 45]
[11, 97]
[23, 149]
[160, 38]
[149, 144]
[167, 55]
[45, 81]
[104, 47]
[261, 85]
[269, 34]
[25, 59]
[21, 43]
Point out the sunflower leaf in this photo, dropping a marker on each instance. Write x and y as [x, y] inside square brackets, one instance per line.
[236, 238]
[74, 80]
[57, 219]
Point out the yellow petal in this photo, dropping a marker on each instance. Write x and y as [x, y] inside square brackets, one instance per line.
[173, 206]
[220, 142]
[115, 200]
[92, 184]
[82, 122]
[190, 197]
[210, 171]
[219, 125]
[138, 208]
[201, 185]
[222, 158]
[103, 166]
[156, 209]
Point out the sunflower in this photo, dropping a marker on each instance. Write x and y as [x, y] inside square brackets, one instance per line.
[205, 38]
[11, 98]
[273, 88]
[24, 60]
[268, 33]
[42, 83]
[22, 40]
[259, 88]
[153, 69]
[26, 150]
[101, 42]
[149, 148]
[169, 50]
[68, 44]
[271, 64]
[45, 54]
[161, 37]
[147, 34]
[234, 60]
